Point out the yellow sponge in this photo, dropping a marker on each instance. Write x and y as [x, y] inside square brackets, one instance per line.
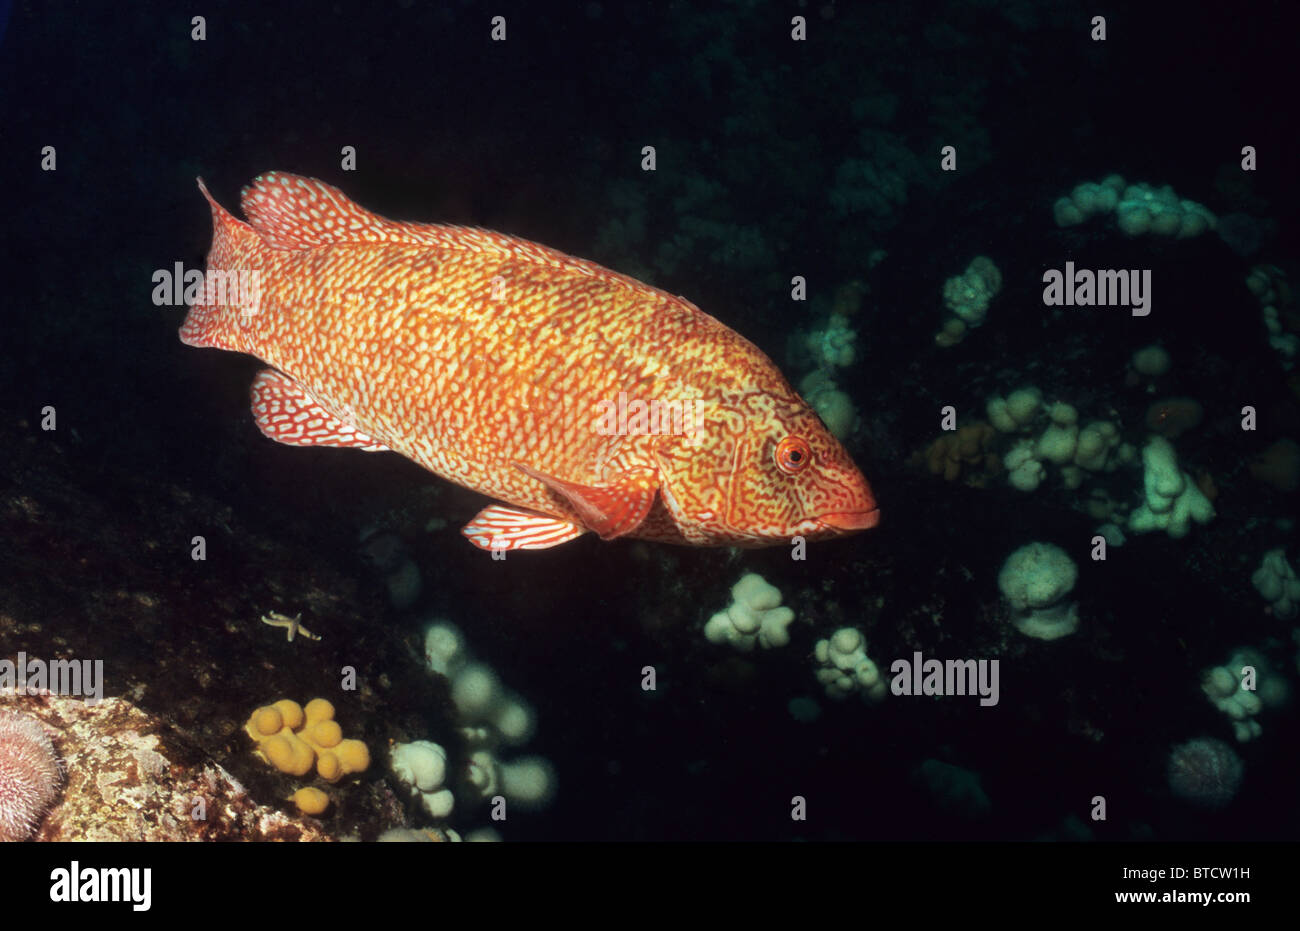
[310, 800]
[290, 712]
[266, 721]
[293, 739]
[354, 756]
[318, 709]
[288, 754]
[329, 767]
[326, 733]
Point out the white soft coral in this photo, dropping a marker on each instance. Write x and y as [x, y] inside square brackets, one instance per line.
[754, 616]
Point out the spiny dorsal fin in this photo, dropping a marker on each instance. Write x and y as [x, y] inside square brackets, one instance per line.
[292, 212]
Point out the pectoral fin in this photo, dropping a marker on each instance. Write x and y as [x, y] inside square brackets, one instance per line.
[609, 510]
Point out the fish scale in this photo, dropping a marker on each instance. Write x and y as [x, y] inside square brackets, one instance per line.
[497, 363]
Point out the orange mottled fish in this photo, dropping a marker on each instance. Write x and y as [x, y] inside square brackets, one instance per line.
[580, 398]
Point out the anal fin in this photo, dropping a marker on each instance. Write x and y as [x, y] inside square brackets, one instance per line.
[503, 528]
[285, 412]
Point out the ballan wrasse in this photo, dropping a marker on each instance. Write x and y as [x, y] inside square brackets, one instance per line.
[507, 367]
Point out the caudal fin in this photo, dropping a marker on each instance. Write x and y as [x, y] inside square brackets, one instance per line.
[231, 287]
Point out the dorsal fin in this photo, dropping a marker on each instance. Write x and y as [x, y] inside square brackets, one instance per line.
[293, 212]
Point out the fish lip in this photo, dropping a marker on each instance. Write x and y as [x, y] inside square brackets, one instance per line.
[851, 520]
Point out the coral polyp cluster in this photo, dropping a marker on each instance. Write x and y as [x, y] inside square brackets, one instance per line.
[293, 739]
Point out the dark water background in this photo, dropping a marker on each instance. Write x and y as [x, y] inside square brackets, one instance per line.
[758, 139]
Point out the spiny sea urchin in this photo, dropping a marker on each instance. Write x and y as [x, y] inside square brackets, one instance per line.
[30, 775]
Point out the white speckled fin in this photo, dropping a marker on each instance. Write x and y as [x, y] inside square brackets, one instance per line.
[286, 413]
[292, 212]
[504, 528]
[216, 324]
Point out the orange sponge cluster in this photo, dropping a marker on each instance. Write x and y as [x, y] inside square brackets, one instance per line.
[965, 450]
[310, 800]
[293, 739]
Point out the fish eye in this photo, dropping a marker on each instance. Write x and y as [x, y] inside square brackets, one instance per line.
[793, 454]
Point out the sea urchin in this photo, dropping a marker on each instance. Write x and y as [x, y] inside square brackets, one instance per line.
[30, 775]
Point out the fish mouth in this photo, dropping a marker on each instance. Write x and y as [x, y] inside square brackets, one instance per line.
[851, 520]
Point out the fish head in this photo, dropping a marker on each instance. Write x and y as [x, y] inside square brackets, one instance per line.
[764, 477]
